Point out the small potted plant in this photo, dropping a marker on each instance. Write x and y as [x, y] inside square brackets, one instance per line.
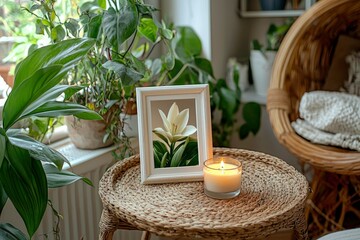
[262, 58]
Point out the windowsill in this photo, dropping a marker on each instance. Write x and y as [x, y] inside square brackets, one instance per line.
[78, 157]
[82, 160]
[59, 133]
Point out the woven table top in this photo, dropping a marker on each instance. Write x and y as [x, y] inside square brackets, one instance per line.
[272, 197]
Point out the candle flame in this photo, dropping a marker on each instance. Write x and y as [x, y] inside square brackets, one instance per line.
[222, 164]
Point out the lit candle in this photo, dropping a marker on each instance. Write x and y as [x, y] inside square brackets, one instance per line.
[222, 177]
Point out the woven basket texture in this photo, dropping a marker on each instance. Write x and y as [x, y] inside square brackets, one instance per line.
[301, 65]
[272, 197]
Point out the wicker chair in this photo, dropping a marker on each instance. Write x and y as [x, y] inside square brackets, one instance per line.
[301, 65]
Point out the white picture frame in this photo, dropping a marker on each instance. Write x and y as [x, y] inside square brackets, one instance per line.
[169, 154]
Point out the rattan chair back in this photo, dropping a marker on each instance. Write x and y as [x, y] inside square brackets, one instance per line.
[301, 65]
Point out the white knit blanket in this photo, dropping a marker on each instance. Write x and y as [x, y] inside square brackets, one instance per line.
[330, 118]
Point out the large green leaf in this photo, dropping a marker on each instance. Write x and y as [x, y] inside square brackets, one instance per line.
[118, 26]
[145, 9]
[3, 197]
[252, 116]
[38, 150]
[66, 53]
[187, 76]
[51, 95]
[229, 102]
[164, 160]
[204, 65]
[102, 3]
[244, 131]
[187, 44]
[94, 28]
[72, 26]
[57, 178]
[190, 156]
[2, 148]
[24, 181]
[9, 232]
[178, 155]
[30, 90]
[148, 29]
[55, 109]
[159, 152]
[128, 75]
[58, 33]
[252, 119]
[71, 91]
[41, 71]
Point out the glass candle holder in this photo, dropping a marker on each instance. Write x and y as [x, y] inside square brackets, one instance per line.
[222, 177]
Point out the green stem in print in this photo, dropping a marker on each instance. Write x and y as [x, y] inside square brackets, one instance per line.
[172, 146]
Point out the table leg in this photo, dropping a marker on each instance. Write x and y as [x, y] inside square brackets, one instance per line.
[107, 226]
[300, 228]
[145, 235]
[109, 223]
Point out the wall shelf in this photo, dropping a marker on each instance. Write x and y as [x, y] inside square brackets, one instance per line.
[245, 13]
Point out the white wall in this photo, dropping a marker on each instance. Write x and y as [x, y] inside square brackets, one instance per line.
[195, 13]
[229, 34]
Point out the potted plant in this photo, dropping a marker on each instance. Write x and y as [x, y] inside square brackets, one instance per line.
[126, 34]
[120, 62]
[28, 167]
[262, 58]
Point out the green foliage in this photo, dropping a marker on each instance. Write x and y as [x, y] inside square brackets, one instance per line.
[251, 115]
[9, 232]
[58, 178]
[119, 25]
[24, 182]
[24, 176]
[190, 68]
[170, 155]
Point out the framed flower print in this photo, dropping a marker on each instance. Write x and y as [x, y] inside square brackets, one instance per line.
[174, 132]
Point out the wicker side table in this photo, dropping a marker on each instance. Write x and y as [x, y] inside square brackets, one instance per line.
[272, 198]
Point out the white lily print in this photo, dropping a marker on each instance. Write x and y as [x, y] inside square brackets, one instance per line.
[175, 124]
[179, 149]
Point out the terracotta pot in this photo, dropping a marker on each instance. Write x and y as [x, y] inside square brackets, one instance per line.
[87, 134]
[4, 73]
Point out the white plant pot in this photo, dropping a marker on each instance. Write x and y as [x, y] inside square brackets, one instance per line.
[243, 69]
[261, 67]
[130, 125]
[87, 134]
